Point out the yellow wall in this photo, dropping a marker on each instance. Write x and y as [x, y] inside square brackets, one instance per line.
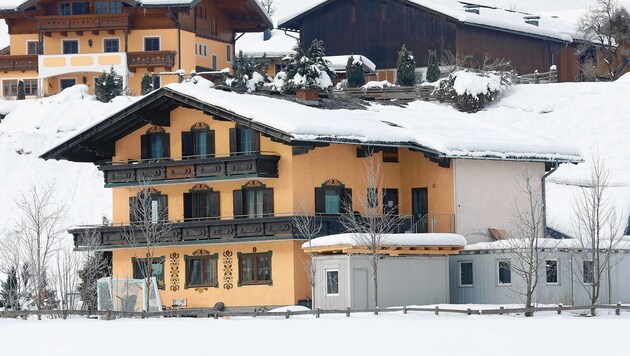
[17, 43]
[214, 47]
[289, 285]
[53, 44]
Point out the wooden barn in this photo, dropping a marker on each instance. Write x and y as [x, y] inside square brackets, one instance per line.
[378, 29]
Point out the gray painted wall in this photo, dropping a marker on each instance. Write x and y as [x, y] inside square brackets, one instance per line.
[412, 280]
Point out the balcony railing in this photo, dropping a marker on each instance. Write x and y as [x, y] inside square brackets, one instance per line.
[83, 22]
[25, 62]
[213, 230]
[151, 59]
[261, 165]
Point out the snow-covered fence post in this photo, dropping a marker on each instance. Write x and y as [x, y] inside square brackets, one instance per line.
[376, 311]
[288, 314]
[437, 310]
[618, 309]
[468, 311]
[404, 310]
[501, 310]
[317, 312]
[559, 308]
[347, 312]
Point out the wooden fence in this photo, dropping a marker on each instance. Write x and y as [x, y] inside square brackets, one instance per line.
[212, 313]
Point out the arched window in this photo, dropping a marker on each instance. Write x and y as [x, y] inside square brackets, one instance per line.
[333, 198]
[198, 142]
[201, 202]
[155, 144]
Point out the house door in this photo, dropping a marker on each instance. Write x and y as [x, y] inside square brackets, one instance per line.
[390, 201]
[359, 288]
[420, 209]
[67, 83]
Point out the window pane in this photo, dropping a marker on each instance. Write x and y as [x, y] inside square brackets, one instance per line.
[209, 271]
[201, 143]
[100, 7]
[332, 282]
[156, 146]
[151, 44]
[466, 274]
[552, 271]
[70, 47]
[259, 203]
[588, 271]
[505, 273]
[158, 272]
[77, 8]
[194, 271]
[114, 7]
[111, 45]
[247, 269]
[264, 268]
[155, 211]
[64, 9]
[333, 203]
[67, 83]
[246, 140]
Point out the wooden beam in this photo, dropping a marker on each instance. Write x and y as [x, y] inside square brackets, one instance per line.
[63, 34]
[95, 32]
[79, 33]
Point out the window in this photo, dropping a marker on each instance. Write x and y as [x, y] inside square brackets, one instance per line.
[200, 204]
[32, 47]
[201, 50]
[111, 45]
[155, 145]
[201, 271]
[155, 210]
[142, 268]
[588, 272]
[65, 8]
[552, 271]
[332, 282]
[332, 198]
[151, 43]
[214, 62]
[244, 140]
[67, 83]
[465, 274]
[253, 201]
[9, 87]
[70, 47]
[279, 67]
[229, 53]
[78, 8]
[372, 197]
[504, 272]
[30, 86]
[100, 7]
[198, 142]
[115, 7]
[202, 12]
[213, 26]
[255, 268]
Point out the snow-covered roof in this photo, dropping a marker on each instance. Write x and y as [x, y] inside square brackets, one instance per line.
[492, 17]
[553, 244]
[351, 239]
[278, 45]
[338, 63]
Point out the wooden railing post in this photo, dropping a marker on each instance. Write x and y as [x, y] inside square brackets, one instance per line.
[347, 312]
[317, 312]
[618, 309]
[559, 308]
[437, 310]
[501, 310]
[376, 311]
[288, 314]
[468, 311]
[405, 310]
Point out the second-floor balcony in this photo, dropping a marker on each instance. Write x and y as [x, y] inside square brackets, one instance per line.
[23, 63]
[152, 59]
[90, 22]
[193, 168]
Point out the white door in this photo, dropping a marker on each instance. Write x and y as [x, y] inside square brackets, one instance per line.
[359, 288]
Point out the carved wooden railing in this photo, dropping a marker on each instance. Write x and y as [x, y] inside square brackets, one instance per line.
[151, 59]
[83, 22]
[24, 62]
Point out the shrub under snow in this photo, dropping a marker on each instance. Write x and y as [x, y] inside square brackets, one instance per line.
[472, 91]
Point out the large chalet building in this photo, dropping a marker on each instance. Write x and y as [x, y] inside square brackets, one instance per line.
[230, 170]
[55, 44]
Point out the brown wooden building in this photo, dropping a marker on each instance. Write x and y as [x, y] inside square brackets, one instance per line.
[378, 29]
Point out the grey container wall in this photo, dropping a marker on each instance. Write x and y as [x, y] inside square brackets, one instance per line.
[404, 280]
[570, 289]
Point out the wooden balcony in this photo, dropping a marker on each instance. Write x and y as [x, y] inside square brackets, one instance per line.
[23, 63]
[194, 169]
[151, 59]
[89, 22]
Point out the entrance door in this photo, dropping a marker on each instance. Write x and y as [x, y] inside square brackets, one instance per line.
[390, 201]
[359, 288]
[420, 209]
[67, 83]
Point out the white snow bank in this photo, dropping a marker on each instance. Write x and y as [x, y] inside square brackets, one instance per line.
[338, 63]
[570, 244]
[292, 308]
[372, 84]
[390, 240]
[475, 83]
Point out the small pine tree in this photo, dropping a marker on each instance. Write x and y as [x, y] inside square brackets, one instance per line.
[433, 69]
[406, 73]
[146, 84]
[354, 73]
[95, 267]
[21, 94]
[244, 68]
[9, 295]
[307, 70]
[108, 86]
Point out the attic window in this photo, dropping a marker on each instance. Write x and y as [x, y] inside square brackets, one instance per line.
[532, 20]
[472, 8]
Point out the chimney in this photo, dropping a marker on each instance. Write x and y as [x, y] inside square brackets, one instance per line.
[267, 35]
[532, 20]
[472, 8]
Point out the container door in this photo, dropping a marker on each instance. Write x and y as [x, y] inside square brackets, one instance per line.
[420, 209]
[359, 288]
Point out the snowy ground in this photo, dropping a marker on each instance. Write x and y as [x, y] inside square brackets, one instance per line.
[361, 334]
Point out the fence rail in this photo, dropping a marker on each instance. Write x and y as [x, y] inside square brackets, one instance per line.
[213, 313]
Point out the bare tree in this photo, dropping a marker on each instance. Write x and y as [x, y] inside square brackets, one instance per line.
[308, 227]
[524, 245]
[453, 62]
[148, 226]
[372, 227]
[608, 26]
[38, 230]
[64, 276]
[269, 6]
[588, 70]
[597, 228]
[95, 266]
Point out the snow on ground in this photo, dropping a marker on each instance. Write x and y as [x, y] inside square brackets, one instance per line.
[33, 126]
[361, 334]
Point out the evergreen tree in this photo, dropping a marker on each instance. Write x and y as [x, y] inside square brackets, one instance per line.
[433, 70]
[354, 73]
[307, 70]
[146, 84]
[95, 267]
[406, 73]
[108, 86]
[244, 68]
[9, 295]
[21, 94]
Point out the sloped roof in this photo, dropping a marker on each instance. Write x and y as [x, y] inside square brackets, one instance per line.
[437, 130]
[549, 27]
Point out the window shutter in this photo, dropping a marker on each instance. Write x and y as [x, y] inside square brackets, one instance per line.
[210, 143]
[237, 203]
[255, 141]
[320, 200]
[233, 142]
[215, 204]
[268, 201]
[345, 195]
[166, 145]
[144, 147]
[163, 207]
[188, 208]
[133, 207]
[187, 144]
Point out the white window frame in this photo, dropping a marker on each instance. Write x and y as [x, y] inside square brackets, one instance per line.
[459, 274]
[159, 37]
[111, 38]
[557, 272]
[326, 282]
[200, 49]
[498, 275]
[77, 40]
